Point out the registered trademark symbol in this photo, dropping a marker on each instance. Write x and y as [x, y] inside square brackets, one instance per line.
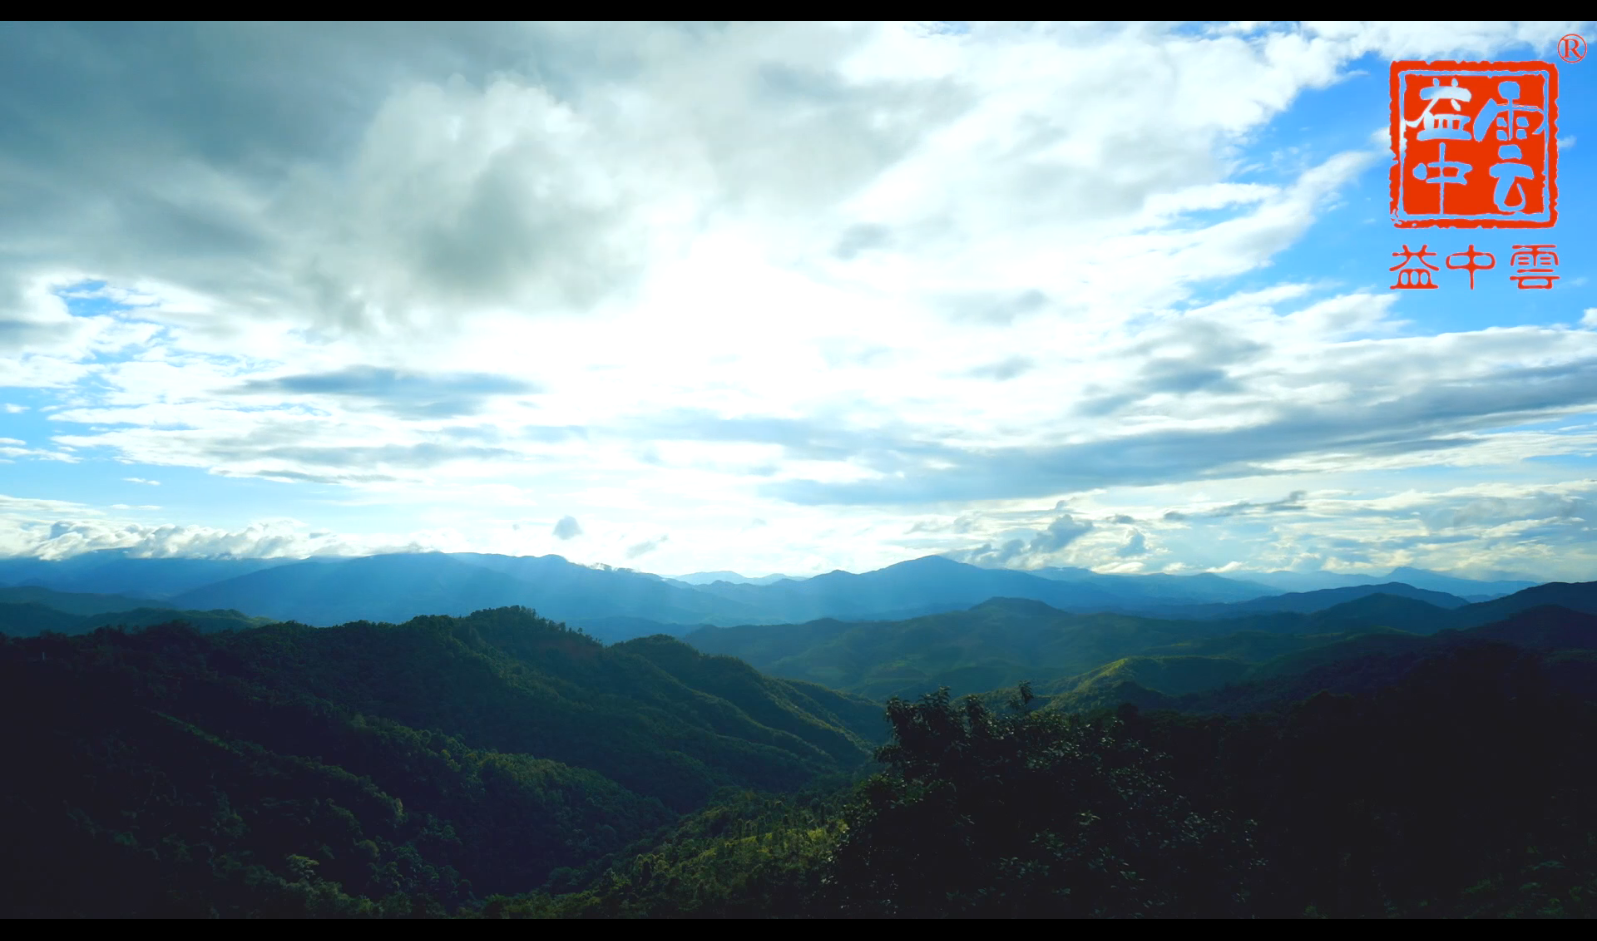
[1572, 48]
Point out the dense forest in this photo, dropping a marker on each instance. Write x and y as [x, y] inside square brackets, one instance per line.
[503, 765]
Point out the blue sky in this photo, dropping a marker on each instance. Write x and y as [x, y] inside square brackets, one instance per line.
[773, 298]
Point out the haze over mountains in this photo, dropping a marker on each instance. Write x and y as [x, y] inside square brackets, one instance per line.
[619, 603]
[1005, 641]
[705, 578]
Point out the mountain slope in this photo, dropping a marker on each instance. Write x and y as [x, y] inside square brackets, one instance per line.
[73, 602]
[19, 620]
[27, 620]
[996, 643]
[1307, 602]
[397, 587]
[1575, 596]
[1545, 627]
[248, 771]
[1007, 640]
[391, 588]
[1367, 662]
[1172, 676]
[507, 681]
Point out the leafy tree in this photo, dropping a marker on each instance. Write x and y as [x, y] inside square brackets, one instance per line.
[1029, 814]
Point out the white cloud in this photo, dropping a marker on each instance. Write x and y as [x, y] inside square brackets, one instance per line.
[676, 279]
[141, 480]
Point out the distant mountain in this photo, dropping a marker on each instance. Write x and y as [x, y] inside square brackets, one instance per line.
[707, 578]
[1308, 601]
[1282, 581]
[919, 583]
[1400, 612]
[1576, 596]
[324, 591]
[1369, 662]
[994, 644]
[615, 630]
[1546, 627]
[1253, 671]
[115, 571]
[30, 619]
[395, 588]
[616, 601]
[206, 622]
[1419, 578]
[1159, 587]
[73, 602]
[1462, 587]
[1006, 640]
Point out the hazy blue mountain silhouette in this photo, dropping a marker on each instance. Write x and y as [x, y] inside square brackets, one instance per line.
[1575, 596]
[395, 588]
[1418, 578]
[73, 602]
[706, 578]
[1156, 587]
[615, 602]
[1306, 602]
[115, 571]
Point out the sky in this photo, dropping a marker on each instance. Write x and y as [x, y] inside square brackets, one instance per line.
[775, 298]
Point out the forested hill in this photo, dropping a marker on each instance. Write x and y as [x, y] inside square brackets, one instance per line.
[185, 773]
[23, 620]
[502, 765]
[1004, 641]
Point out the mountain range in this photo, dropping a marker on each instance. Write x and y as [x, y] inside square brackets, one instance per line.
[706, 578]
[621, 603]
[1469, 589]
[435, 764]
[1005, 641]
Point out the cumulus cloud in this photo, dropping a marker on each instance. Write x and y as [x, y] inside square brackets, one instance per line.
[567, 528]
[1135, 545]
[1060, 533]
[1022, 553]
[68, 537]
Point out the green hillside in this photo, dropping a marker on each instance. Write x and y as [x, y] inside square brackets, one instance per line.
[32, 618]
[249, 771]
[1006, 641]
[501, 765]
[1467, 787]
[1174, 676]
[28, 619]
